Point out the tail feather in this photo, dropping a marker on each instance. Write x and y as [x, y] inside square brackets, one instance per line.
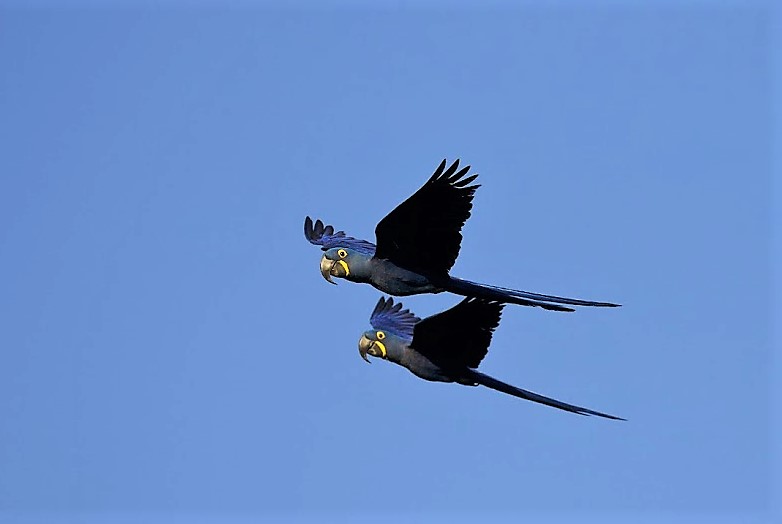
[535, 298]
[471, 289]
[497, 385]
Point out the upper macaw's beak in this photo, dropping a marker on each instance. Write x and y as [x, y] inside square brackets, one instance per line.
[363, 346]
[326, 266]
[373, 347]
[333, 268]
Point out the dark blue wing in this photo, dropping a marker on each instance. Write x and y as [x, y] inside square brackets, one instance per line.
[459, 336]
[327, 238]
[423, 233]
[392, 318]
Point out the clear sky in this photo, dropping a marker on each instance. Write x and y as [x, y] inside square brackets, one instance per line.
[169, 349]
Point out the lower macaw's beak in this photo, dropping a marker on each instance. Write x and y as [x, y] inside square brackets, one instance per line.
[363, 346]
[326, 266]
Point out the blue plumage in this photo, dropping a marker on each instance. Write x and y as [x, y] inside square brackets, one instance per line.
[327, 238]
[390, 317]
[446, 347]
[417, 244]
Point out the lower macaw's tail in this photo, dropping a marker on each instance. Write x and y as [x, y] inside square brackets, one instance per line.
[513, 296]
[497, 385]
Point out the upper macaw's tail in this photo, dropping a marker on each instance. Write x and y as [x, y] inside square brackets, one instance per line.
[514, 296]
[497, 385]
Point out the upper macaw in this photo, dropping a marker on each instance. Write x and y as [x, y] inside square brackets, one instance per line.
[417, 244]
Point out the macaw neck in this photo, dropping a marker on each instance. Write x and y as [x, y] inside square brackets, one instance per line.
[395, 349]
[360, 268]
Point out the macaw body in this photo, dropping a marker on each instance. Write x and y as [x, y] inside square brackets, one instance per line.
[392, 279]
[446, 347]
[417, 244]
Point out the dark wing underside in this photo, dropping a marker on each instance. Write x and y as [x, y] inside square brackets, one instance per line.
[423, 233]
[459, 336]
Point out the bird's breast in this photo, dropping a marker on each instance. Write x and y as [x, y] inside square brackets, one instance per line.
[394, 280]
[423, 368]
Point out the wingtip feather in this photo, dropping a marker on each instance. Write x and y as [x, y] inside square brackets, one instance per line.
[451, 170]
[438, 171]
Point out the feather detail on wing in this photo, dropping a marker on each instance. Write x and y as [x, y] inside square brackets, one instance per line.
[327, 238]
[390, 317]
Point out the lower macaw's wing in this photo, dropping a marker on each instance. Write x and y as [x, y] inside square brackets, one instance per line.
[388, 316]
[423, 233]
[458, 337]
[327, 238]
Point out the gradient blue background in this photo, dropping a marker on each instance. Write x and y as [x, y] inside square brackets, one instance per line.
[170, 352]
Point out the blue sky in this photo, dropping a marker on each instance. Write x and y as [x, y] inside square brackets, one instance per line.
[169, 348]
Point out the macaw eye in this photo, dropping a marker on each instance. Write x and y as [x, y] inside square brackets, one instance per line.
[380, 335]
[342, 253]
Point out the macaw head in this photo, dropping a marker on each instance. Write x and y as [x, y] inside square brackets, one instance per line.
[343, 262]
[378, 343]
[392, 331]
[344, 257]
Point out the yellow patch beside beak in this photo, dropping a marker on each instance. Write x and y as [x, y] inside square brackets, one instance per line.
[382, 348]
[344, 266]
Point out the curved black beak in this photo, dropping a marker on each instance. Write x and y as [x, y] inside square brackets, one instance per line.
[364, 344]
[326, 266]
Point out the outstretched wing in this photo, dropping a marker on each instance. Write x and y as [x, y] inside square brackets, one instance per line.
[459, 336]
[325, 237]
[388, 316]
[423, 233]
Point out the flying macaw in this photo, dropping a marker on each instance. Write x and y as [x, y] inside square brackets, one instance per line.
[446, 347]
[417, 244]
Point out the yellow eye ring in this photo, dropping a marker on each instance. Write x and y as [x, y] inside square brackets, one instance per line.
[380, 335]
[342, 253]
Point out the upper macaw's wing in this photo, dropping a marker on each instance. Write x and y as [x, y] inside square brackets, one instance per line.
[388, 316]
[423, 233]
[327, 238]
[459, 336]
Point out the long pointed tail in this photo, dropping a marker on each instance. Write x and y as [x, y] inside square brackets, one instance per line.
[515, 296]
[497, 385]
